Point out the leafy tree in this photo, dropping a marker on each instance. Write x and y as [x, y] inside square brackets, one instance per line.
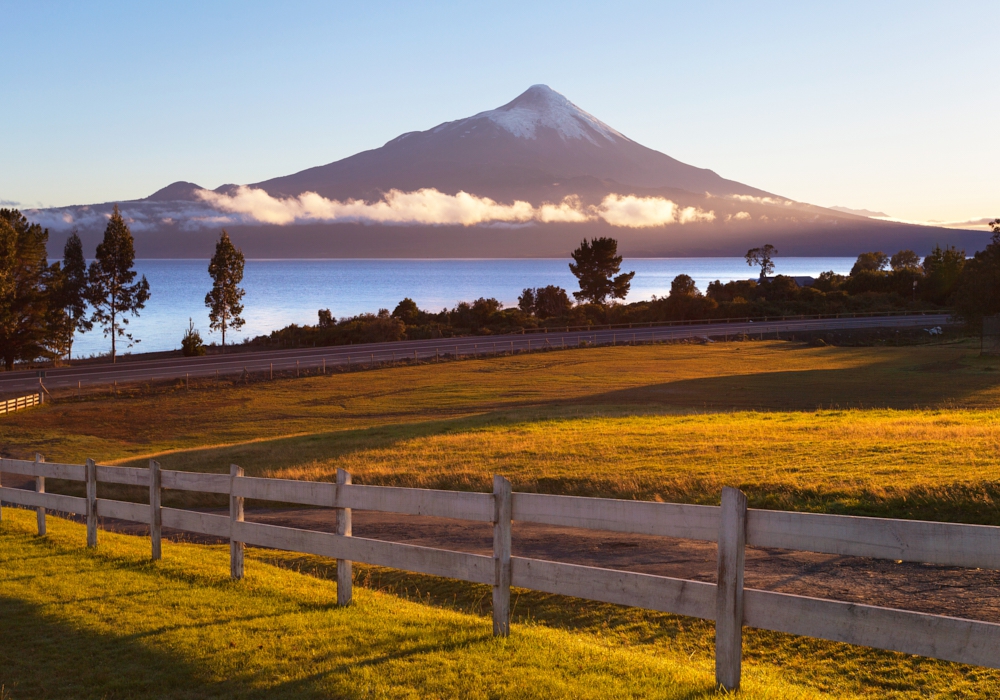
[762, 257]
[526, 302]
[905, 260]
[112, 290]
[551, 301]
[828, 281]
[224, 300]
[407, 312]
[325, 318]
[191, 344]
[73, 296]
[27, 282]
[942, 269]
[684, 286]
[545, 302]
[596, 265]
[484, 310]
[977, 293]
[870, 262]
[686, 300]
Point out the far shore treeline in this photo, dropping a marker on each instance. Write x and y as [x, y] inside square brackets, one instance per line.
[877, 282]
[43, 305]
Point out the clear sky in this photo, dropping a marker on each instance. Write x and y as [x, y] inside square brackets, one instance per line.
[888, 106]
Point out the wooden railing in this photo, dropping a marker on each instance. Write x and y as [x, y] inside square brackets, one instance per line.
[21, 402]
[732, 525]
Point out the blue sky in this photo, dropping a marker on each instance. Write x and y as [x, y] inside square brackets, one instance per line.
[889, 106]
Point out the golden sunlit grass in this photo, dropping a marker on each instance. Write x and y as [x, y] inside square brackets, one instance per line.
[919, 440]
[768, 376]
[900, 432]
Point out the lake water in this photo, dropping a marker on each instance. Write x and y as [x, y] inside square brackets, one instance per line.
[280, 292]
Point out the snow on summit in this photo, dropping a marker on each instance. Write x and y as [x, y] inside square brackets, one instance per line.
[541, 106]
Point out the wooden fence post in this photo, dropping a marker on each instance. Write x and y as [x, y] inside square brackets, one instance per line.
[40, 488]
[91, 503]
[729, 600]
[235, 516]
[501, 556]
[1, 503]
[155, 514]
[345, 584]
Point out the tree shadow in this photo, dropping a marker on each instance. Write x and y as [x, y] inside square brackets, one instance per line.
[41, 657]
[875, 385]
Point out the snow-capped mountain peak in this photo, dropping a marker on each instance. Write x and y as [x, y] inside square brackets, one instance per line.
[541, 106]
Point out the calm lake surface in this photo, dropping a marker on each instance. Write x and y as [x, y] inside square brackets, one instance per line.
[280, 292]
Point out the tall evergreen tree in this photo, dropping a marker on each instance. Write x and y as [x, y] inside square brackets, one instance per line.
[112, 290]
[596, 264]
[224, 301]
[73, 296]
[26, 283]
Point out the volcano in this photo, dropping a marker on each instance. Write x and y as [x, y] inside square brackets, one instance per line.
[527, 179]
[534, 148]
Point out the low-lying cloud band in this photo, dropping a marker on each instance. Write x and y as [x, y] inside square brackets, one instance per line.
[431, 207]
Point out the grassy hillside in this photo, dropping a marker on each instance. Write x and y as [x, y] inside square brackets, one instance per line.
[910, 432]
[110, 623]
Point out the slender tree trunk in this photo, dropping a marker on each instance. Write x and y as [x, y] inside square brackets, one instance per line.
[113, 329]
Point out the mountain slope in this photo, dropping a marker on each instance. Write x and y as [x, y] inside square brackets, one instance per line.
[528, 179]
[520, 150]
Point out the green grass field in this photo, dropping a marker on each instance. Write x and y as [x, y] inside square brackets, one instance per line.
[82, 624]
[899, 432]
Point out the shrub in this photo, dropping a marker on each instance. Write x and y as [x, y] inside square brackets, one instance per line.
[191, 344]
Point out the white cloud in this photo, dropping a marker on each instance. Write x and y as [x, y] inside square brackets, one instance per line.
[427, 207]
[981, 224]
[693, 215]
[761, 200]
[644, 212]
[637, 212]
[431, 207]
[569, 211]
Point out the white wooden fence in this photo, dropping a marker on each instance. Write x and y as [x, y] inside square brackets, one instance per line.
[732, 525]
[21, 402]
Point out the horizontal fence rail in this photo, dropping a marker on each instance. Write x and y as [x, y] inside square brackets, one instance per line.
[21, 402]
[635, 517]
[733, 526]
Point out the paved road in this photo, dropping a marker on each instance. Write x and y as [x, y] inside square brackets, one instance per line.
[262, 363]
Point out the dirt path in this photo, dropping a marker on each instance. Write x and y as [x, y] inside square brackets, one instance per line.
[933, 589]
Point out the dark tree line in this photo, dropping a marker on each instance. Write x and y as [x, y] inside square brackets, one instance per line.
[977, 293]
[43, 305]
